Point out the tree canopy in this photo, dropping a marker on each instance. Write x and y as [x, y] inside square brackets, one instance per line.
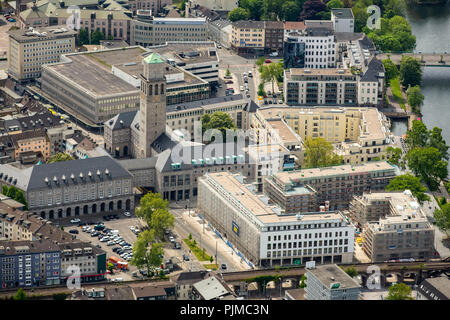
[391, 70]
[238, 14]
[409, 182]
[442, 217]
[319, 153]
[15, 194]
[20, 295]
[96, 36]
[426, 163]
[219, 120]
[410, 72]
[146, 252]
[149, 204]
[415, 98]
[59, 157]
[272, 72]
[399, 291]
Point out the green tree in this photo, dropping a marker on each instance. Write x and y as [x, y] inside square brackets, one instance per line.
[261, 91]
[426, 163]
[228, 73]
[361, 17]
[59, 157]
[415, 98]
[302, 282]
[83, 36]
[219, 120]
[394, 155]
[147, 253]
[352, 272]
[20, 295]
[418, 136]
[319, 153]
[255, 7]
[335, 4]
[161, 220]
[238, 14]
[149, 204]
[399, 291]
[272, 72]
[12, 192]
[110, 267]
[409, 182]
[260, 61]
[442, 217]
[391, 70]
[290, 11]
[20, 197]
[5, 189]
[436, 141]
[96, 36]
[410, 71]
[190, 237]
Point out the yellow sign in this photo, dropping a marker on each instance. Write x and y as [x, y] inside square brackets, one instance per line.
[260, 98]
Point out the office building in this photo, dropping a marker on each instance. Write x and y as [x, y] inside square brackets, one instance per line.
[72, 188]
[403, 233]
[343, 20]
[29, 49]
[147, 30]
[216, 5]
[274, 35]
[265, 235]
[109, 17]
[220, 32]
[330, 282]
[248, 37]
[334, 187]
[93, 87]
[28, 263]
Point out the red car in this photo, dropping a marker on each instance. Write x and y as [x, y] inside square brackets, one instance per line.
[268, 61]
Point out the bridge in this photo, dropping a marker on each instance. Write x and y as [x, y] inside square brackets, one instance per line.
[427, 59]
[413, 272]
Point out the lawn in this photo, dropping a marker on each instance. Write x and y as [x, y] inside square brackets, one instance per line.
[211, 266]
[397, 92]
[199, 254]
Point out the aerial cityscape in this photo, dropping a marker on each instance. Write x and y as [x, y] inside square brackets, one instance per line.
[225, 150]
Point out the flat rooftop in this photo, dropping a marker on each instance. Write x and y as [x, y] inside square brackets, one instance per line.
[313, 72]
[93, 70]
[284, 131]
[287, 177]
[188, 52]
[331, 274]
[264, 212]
[41, 34]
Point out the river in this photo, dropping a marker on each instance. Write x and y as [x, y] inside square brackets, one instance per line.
[431, 26]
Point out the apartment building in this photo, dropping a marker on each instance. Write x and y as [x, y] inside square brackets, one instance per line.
[274, 35]
[29, 49]
[293, 27]
[320, 87]
[154, 5]
[434, 288]
[220, 32]
[90, 260]
[265, 235]
[31, 146]
[216, 5]
[109, 17]
[330, 282]
[28, 263]
[72, 188]
[14, 223]
[147, 30]
[248, 37]
[185, 281]
[337, 184]
[343, 20]
[403, 233]
[359, 135]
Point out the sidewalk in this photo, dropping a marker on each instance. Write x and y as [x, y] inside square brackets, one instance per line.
[223, 250]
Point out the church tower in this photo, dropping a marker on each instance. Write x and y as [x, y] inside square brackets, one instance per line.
[153, 104]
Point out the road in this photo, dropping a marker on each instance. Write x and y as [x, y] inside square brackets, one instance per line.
[428, 208]
[185, 225]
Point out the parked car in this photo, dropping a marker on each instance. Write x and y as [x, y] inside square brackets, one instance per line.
[223, 266]
[268, 61]
[11, 20]
[185, 257]
[73, 231]
[110, 243]
[171, 239]
[127, 214]
[229, 82]
[115, 249]
[76, 220]
[104, 239]
[241, 88]
[177, 245]
[250, 74]
[274, 54]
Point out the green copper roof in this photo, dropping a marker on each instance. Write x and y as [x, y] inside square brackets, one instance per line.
[153, 58]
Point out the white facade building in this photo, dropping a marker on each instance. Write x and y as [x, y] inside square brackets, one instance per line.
[343, 20]
[264, 235]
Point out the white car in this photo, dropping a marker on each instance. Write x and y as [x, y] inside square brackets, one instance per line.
[132, 228]
[76, 220]
[110, 243]
[104, 239]
[171, 239]
[127, 214]
[241, 88]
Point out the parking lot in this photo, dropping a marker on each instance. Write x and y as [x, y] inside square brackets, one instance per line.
[117, 228]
